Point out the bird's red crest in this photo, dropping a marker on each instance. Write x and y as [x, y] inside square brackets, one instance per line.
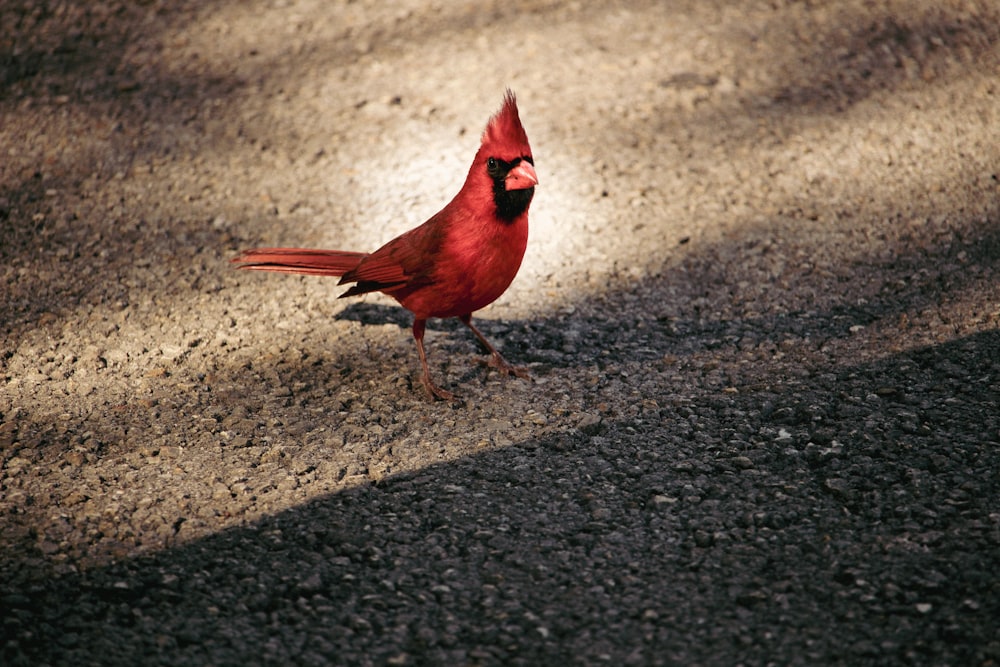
[504, 129]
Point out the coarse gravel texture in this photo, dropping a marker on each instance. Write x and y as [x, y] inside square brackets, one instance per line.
[760, 306]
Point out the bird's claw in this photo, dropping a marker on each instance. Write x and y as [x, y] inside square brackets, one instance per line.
[495, 360]
[436, 392]
[498, 362]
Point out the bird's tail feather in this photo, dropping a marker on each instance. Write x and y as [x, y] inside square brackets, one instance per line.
[299, 260]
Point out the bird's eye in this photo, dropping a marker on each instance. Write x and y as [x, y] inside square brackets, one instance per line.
[491, 164]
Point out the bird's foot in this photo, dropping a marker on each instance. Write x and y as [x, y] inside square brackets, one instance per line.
[498, 362]
[436, 393]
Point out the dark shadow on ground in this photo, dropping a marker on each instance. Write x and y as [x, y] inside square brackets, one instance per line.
[828, 530]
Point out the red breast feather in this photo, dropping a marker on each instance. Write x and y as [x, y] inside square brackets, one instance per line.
[479, 253]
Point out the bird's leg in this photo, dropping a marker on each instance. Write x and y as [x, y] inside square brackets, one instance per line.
[432, 389]
[496, 359]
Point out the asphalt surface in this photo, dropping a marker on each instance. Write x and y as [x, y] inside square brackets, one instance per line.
[760, 309]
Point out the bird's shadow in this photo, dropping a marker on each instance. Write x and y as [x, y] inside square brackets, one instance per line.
[381, 314]
[377, 313]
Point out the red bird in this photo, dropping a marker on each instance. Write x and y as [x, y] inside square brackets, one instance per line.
[459, 261]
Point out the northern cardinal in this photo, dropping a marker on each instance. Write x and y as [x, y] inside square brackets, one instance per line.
[460, 260]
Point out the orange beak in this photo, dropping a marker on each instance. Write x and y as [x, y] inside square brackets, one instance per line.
[521, 177]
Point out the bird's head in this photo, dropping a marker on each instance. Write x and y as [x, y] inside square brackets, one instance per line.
[505, 159]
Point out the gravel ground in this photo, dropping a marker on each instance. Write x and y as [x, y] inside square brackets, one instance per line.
[760, 306]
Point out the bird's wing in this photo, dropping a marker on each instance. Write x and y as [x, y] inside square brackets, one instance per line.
[406, 260]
